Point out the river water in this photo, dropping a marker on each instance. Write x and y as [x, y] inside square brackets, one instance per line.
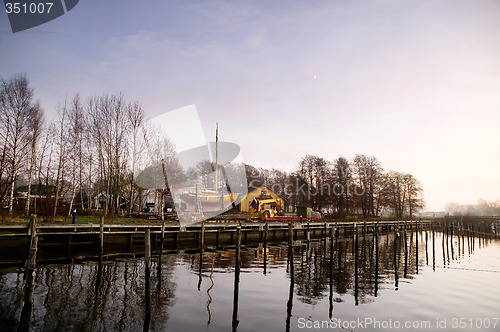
[425, 281]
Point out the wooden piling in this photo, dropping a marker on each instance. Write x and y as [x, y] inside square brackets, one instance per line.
[330, 298]
[202, 241]
[235, 320]
[30, 275]
[101, 235]
[289, 303]
[266, 229]
[375, 235]
[396, 239]
[356, 267]
[33, 247]
[147, 248]
[416, 246]
[405, 271]
[147, 276]
[426, 250]
[162, 238]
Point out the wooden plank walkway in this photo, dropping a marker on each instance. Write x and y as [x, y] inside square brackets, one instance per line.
[97, 239]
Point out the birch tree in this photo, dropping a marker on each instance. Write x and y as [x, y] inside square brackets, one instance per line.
[75, 136]
[135, 115]
[35, 128]
[16, 109]
[61, 146]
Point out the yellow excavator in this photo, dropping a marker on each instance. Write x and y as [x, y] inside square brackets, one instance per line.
[264, 208]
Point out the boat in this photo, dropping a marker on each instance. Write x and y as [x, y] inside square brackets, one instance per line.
[206, 200]
[203, 200]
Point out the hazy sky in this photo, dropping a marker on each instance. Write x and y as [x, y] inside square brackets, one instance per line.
[414, 83]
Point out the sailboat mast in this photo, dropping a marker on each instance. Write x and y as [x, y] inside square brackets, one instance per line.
[216, 155]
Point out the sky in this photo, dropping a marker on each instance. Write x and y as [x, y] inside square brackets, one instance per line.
[414, 83]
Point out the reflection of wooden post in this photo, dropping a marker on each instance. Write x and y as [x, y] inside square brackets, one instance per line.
[33, 247]
[101, 235]
[330, 309]
[416, 244]
[160, 257]
[451, 242]
[147, 275]
[426, 250]
[147, 248]
[30, 274]
[375, 231]
[202, 247]
[162, 237]
[235, 320]
[289, 304]
[396, 276]
[266, 226]
[433, 249]
[356, 265]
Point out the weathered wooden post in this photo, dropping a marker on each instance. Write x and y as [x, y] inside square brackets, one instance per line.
[147, 276]
[289, 303]
[265, 247]
[405, 239]
[147, 249]
[462, 231]
[330, 299]
[356, 266]
[375, 235]
[202, 242]
[237, 258]
[433, 250]
[451, 241]
[202, 248]
[29, 277]
[162, 238]
[426, 250]
[396, 239]
[473, 238]
[416, 244]
[101, 235]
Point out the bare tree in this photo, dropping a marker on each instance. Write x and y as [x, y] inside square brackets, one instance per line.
[16, 108]
[316, 173]
[135, 115]
[342, 179]
[35, 127]
[402, 193]
[61, 154]
[75, 129]
[367, 173]
[413, 190]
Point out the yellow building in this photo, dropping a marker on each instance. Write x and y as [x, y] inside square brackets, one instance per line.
[260, 193]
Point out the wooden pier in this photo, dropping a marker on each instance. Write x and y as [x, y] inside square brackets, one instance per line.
[63, 242]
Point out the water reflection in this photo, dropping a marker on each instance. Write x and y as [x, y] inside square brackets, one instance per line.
[201, 288]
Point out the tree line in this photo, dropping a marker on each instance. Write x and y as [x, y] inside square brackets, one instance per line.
[482, 208]
[83, 159]
[344, 187]
[87, 156]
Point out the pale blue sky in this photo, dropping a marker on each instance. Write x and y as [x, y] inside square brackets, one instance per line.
[414, 83]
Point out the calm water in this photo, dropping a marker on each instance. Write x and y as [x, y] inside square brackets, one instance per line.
[454, 287]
